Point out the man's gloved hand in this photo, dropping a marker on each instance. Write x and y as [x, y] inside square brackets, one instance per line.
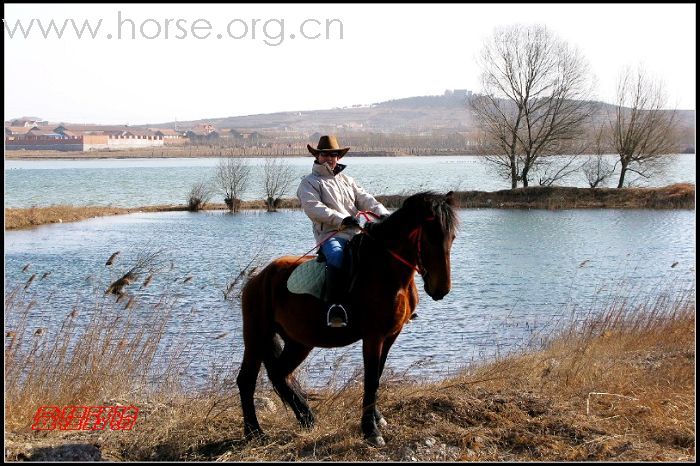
[369, 226]
[349, 222]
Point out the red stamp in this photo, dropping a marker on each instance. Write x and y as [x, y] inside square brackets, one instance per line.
[85, 417]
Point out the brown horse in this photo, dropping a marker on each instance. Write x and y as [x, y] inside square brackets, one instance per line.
[418, 236]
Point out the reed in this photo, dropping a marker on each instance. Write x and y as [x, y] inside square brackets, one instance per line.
[613, 385]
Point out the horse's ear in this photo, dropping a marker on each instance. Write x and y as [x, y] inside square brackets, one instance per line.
[449, 197]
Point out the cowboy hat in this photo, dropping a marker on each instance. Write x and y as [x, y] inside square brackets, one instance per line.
[328, 144]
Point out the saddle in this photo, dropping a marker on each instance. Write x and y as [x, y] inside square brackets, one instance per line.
[310, 277]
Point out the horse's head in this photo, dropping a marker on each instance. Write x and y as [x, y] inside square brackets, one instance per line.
[435, 232]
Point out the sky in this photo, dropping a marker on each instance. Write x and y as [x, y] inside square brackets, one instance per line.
[156, 63]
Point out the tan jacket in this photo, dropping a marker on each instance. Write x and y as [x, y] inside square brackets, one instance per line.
[328, 198]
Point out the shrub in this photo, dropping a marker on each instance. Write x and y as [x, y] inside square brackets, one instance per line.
[199, 196]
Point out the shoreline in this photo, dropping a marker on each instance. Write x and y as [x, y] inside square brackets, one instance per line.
[676, 196]
[197, 152]
[177, 152]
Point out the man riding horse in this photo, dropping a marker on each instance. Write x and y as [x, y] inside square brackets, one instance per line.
[280, 328]
[332, 200]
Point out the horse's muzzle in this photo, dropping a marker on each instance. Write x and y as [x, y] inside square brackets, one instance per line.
[438, 294]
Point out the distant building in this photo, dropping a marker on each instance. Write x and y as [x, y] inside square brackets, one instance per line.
[170, 136]
[29, 122]
[38, 131]
[16, 131]
[80, 138]
[459, 93]
[245, 135]
[202, 132]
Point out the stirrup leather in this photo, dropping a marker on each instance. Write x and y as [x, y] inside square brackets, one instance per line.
[336, 307]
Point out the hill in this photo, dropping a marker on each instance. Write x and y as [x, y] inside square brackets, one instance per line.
[408, 115]
[419, 125]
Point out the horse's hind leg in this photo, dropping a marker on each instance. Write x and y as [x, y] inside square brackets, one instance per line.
[279, 369]
[246, 380]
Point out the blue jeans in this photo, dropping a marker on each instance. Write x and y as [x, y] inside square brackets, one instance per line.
[333, 250]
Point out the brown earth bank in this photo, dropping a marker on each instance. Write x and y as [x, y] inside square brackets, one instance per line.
[184, 151]
[620, 390]
[205, 151]
[676, 196]
[151, 152]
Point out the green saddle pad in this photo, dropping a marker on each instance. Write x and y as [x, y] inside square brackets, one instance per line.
[308, 278]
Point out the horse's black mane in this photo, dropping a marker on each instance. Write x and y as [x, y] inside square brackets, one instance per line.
[414, 211]
[430, 203]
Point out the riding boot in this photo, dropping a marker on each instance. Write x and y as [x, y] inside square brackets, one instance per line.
[337, 314]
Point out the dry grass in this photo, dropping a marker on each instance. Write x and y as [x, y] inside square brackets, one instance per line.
[174, 151]
[22, 218]
[677, 196]
[96, 355]
[613, 387]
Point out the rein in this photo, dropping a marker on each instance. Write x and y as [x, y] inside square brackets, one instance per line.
[316, 247]
[415, 236]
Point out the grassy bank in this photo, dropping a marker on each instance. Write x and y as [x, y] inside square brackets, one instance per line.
[616, 387]
[145, 152]
[21, 218]
[677, 196]
[185, 151]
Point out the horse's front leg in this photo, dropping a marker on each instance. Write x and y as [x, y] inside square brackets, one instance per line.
[371, 354]
[386, 346]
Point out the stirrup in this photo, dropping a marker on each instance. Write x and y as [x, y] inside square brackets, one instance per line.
[340, 319]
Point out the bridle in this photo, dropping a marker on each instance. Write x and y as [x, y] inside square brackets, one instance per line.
[415, 236]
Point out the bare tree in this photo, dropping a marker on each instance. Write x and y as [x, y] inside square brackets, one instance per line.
[596, 169]
[558, 169]
[642, 131]
[199, 196]
[278, 176]
[535, 100]
[232, 177]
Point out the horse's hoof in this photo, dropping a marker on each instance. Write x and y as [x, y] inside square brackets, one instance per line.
[255, 435]
[376, 441]
[381, 422]
[307, 422]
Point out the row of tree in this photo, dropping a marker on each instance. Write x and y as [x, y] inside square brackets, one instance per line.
[536, 102]
[232, 177]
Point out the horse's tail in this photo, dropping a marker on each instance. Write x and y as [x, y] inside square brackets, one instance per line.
[257, 317]
[253, 299]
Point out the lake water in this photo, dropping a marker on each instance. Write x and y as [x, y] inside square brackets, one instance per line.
[516, 274]
[140, 182]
